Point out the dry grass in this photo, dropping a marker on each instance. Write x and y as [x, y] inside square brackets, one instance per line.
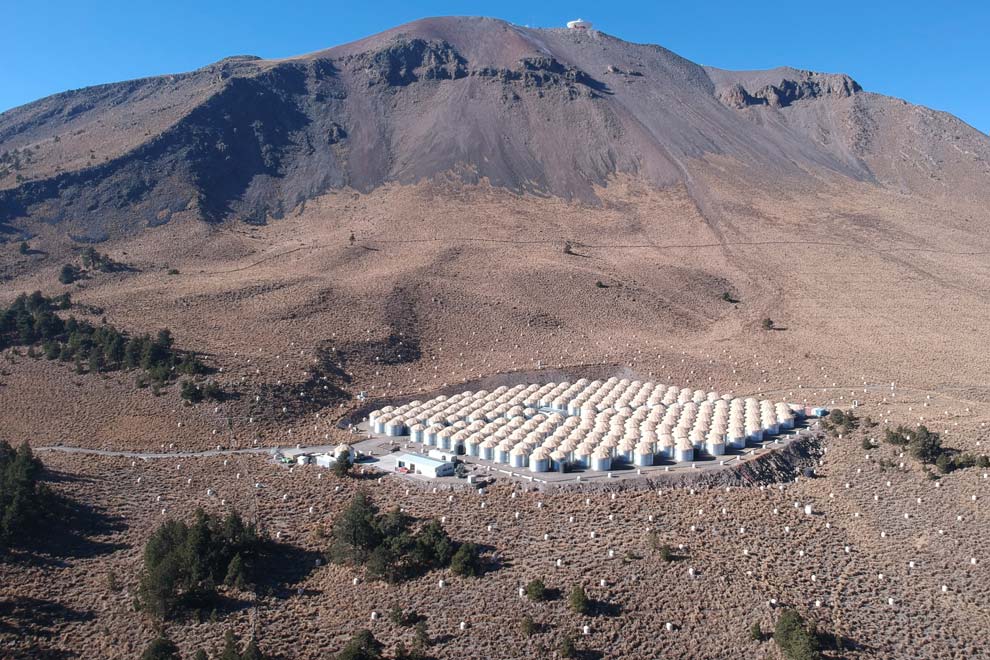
[867, 290]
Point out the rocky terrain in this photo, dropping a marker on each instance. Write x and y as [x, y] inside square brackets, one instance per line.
[465, 201]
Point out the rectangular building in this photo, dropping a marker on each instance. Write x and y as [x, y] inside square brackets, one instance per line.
[424, 465]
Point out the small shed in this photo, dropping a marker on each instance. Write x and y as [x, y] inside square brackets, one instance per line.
[424, 465]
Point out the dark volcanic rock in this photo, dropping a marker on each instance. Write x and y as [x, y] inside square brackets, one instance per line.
[479, 99]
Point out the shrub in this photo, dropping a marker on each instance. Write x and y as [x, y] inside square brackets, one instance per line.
[756, 632]
[794, 639]
[229, 647]
[867, 444]
[421, 636]
[527, 626]
[466, 561]
[342, 466]
[23, 248]
[68, 274]
[767, 324]
[251, 651]
[190, 392]
[363, 646]
[578, 600]
[667, 553]
[161, 648]
[567, 648]
[536, 591]
[925, 445]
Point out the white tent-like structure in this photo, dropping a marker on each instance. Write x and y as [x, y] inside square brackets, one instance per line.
[595, 424]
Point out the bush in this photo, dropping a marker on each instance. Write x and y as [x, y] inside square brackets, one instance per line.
[567, 648]
[756, 632]
[767, 324]
[466, 561]
[578, 601]
[839, 421]
[421, 636]
[794, 639]
[252, 652]
[24, 248]
[925, 445]
[161, 648]
[667, 553]
[190, 392]
[342, 466]
[363, 646]
[68, 274]
[527, 626]
[536, 591]
[867, 444]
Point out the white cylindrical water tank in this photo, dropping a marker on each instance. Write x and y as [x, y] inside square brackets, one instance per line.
[715, 445]
[539, 460]
[601, 460]
[684, 451]
[395, 427]
[519, 456]
[416, 432]
[643, 455]
[502, 451]
[486, 450]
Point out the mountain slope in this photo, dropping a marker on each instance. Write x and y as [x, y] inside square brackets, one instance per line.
[545, 111]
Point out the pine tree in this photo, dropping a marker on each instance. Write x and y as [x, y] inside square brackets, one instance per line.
[161, 648]
[229, 647]
[578, 600]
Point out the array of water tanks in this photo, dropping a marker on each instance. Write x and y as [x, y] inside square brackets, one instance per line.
[590, 423]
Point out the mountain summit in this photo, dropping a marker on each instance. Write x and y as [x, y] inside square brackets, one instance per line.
[546, 111]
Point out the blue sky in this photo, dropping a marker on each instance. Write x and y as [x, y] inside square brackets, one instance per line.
[920, 51]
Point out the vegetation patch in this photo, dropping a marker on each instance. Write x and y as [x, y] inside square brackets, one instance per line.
[25, 502]
[184, 563]
[33, 321]
[390, 549]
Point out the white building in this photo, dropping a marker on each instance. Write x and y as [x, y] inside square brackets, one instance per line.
[441, 455]
[424, 465]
